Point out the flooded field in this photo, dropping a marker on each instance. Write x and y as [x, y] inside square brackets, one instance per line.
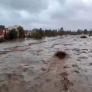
[30, 65]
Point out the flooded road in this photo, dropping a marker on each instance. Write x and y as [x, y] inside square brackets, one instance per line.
[30, 65]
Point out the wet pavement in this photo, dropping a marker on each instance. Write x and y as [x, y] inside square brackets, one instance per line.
[30, 65]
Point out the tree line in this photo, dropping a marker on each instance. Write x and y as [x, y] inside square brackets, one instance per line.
[40, 33]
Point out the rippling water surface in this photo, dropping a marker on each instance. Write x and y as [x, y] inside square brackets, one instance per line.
[29, 57]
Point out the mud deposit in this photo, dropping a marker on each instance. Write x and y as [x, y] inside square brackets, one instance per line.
[30, 65]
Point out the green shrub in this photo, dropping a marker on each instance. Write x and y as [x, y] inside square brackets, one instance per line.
[2, 39]
[21, 33]
[12, 34]
[36, 35]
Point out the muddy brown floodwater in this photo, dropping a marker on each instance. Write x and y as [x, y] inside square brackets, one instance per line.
[30, 65]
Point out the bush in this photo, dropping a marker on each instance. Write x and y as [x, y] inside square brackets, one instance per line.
[36, 35]
[21, 32]
[2, 39]
[12, 34]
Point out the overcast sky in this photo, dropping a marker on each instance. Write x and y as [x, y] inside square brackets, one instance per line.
[71, 14]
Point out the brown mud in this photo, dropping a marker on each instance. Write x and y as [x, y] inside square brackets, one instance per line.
[30, 65]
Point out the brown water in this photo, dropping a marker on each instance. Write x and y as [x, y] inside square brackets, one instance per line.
[29, 66]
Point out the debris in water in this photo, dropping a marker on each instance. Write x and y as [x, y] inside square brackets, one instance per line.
[83, 36]
[74, 65]
[76, 71]
[66, 67]
[60, 54]
[43, 69]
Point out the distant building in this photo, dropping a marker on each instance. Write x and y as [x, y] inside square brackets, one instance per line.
[19, 29]
[27, 33]
[2, 30]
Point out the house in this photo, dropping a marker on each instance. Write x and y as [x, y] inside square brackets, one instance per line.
[2, 31]
[27, 33]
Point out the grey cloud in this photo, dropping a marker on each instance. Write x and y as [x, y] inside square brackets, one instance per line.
[30, 5]
[47, 13]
